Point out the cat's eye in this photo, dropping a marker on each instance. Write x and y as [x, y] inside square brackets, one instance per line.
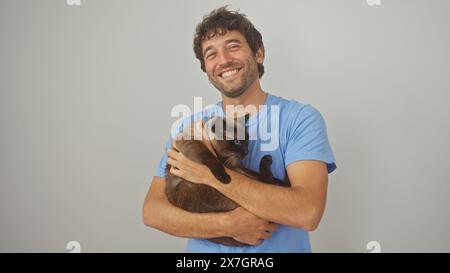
[237, 142]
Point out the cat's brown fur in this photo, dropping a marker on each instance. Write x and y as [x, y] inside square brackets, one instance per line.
[202, 198]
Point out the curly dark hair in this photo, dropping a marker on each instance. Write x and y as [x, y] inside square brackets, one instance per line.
[218, 22]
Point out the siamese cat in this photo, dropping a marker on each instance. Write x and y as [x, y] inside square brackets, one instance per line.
[219, 147]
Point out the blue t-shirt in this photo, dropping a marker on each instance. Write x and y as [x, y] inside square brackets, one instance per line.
[287, 130]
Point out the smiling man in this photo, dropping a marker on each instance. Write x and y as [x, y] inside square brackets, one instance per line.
[271, 218]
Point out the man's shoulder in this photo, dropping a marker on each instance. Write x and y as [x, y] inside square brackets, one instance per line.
[293, 109]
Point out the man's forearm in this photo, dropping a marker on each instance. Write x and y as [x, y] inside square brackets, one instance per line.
[162, 215]
[288, 206]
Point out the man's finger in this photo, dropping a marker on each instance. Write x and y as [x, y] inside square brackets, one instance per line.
[174, 145]
[173, 154]
[266, 235]
[172, 163]
[175, 172]
[271, 227]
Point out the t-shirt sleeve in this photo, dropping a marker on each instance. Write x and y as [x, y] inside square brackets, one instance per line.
[308, 140]
[161, 169]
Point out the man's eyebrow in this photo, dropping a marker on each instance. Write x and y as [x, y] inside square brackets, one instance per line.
[226, 42]
[233, 41]
[206, 49]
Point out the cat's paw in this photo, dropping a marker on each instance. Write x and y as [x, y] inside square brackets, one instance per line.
[265, 173]
[219, 173]
[266, 160]
[223, 177]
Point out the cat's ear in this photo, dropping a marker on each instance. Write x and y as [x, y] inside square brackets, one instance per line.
[247, 117]
[242, 121]
[210, 124]
[215, 128]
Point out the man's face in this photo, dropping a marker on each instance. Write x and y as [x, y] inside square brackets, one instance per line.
[230, 63]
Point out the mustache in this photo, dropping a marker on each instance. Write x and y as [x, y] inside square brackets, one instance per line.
[226, 66]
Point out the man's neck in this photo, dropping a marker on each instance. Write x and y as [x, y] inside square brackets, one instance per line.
[254, 95]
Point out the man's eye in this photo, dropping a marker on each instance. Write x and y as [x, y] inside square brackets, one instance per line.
[210, 56]
[233, 47]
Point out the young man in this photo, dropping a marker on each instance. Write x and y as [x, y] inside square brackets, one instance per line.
[271, 218]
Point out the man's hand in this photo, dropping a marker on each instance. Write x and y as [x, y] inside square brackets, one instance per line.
[248, 228]
[188, 169]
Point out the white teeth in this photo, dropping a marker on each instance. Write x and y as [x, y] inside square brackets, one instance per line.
[229, 73]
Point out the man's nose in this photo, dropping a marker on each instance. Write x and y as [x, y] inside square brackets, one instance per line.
[224, 58]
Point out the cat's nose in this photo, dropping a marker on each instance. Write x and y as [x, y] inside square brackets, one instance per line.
[245, 150]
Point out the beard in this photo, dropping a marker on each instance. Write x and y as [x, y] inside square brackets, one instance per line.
[239, 85]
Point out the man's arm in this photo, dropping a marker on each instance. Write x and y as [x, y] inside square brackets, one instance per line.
[159, 213]
[301, 205]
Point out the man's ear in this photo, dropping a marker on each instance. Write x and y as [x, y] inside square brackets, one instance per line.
[260, 53]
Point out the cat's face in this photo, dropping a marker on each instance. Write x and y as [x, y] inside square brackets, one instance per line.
[229, 137]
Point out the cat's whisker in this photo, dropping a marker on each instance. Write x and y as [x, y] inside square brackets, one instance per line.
[232, 160]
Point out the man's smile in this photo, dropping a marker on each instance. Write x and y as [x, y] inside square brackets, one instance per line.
[230, 73]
